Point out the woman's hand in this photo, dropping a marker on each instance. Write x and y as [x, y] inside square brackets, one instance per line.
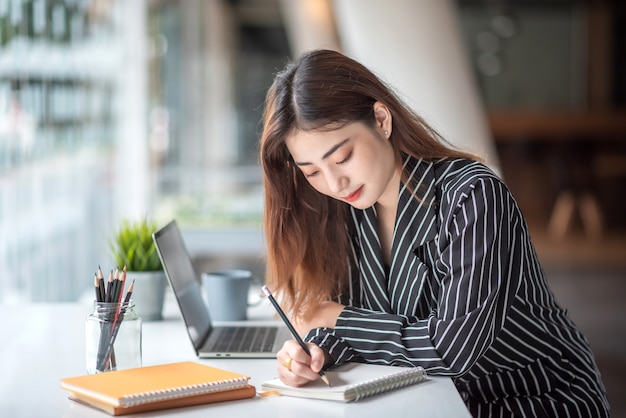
[295, 367]
[324, 316]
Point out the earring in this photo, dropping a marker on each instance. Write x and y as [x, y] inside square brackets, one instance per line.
[386, 133]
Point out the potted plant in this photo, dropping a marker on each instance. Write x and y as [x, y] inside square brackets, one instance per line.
[132, 246]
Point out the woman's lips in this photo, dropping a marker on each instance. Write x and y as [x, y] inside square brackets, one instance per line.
[354, 196]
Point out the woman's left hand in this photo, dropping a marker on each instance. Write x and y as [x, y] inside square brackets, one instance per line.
[324, 316]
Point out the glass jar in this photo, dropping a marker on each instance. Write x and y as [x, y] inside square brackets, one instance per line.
[113, 337]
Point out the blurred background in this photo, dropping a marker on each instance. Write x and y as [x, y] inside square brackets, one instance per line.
[115, 109]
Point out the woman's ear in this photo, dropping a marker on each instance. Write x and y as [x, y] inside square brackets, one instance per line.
[383, 119]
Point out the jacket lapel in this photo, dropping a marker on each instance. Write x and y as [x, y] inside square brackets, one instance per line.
[371, 266]
[416, 218]
[416, 224]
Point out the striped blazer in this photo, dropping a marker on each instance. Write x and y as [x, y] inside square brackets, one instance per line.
[465, 297]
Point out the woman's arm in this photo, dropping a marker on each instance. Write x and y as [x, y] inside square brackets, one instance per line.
[477, 270]
[323, 316]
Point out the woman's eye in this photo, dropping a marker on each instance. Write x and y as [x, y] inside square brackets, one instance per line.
[309, 175]
[345, 160]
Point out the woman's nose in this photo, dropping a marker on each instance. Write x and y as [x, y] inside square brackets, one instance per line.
[336, 181]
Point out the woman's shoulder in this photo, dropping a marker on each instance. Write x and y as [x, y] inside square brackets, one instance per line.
[464, 174]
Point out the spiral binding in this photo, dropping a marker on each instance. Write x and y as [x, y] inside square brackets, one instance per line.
[384, 384]
[183, 391]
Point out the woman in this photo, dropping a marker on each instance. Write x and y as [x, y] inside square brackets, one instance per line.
[390, 247]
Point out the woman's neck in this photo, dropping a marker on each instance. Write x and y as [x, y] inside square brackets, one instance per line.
[386, 208]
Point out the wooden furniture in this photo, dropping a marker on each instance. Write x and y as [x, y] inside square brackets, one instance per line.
[571, 135]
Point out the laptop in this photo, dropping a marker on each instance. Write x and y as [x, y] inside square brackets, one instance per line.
[240, 339]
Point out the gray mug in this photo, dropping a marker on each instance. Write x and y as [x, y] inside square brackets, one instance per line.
[227, 293]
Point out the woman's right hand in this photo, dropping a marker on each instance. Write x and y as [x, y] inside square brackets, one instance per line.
[295, 367]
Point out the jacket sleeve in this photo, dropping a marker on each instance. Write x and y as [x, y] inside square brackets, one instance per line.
[478, 270]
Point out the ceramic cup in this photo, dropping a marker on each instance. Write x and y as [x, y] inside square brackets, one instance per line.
[227, 293]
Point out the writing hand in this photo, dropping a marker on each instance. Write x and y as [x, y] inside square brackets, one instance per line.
[295, 367]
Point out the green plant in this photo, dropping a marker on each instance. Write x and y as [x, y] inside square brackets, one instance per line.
[132, 246]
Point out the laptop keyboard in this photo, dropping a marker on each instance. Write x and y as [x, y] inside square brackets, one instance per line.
[244, 339]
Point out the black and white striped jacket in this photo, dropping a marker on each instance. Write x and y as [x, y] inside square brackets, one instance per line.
[465, 297]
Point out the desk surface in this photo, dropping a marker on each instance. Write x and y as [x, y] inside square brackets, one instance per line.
[45, 342]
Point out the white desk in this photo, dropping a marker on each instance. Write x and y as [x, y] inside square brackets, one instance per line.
[42, 343]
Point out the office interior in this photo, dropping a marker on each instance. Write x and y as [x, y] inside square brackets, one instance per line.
[114, 109]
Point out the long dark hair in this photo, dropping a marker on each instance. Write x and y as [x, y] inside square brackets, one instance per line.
[307, 240]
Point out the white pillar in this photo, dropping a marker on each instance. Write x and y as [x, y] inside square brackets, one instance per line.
[133, 186]
[209, 148]
[220, 130]
[309, 25]
[416, 46]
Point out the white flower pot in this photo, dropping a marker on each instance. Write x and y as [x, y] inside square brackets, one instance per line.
[149, 293]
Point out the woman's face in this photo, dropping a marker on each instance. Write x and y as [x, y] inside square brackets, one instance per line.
[354, 163]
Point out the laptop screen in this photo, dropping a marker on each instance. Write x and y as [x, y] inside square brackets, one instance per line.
[182, 276]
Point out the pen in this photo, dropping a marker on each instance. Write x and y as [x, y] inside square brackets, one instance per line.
[291, 328]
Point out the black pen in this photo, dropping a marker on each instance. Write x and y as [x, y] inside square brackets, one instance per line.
[291, 328]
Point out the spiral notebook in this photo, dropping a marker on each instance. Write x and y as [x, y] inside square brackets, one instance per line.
[157, 387]
[352, 382]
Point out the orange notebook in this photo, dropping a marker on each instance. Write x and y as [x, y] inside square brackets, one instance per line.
[158, 387]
